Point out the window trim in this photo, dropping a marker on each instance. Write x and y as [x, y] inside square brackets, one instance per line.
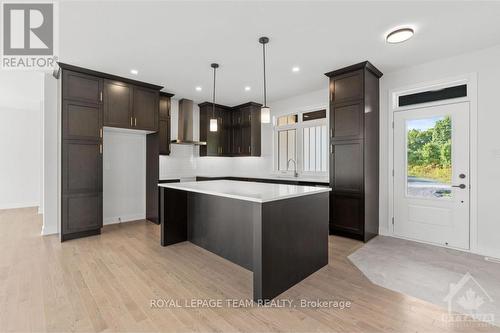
[299, 140]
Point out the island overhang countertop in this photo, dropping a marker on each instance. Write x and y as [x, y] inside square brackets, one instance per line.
[248, 191]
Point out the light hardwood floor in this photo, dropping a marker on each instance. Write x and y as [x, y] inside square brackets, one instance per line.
[106, 283]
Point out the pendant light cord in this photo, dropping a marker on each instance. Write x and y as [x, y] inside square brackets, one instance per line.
[213, 97]
[264, 57]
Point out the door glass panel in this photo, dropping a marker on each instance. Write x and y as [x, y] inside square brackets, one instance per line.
[429, 157]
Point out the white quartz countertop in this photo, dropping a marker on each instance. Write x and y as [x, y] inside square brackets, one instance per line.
[249, 191]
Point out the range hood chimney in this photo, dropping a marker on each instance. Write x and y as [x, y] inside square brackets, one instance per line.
[185, 124]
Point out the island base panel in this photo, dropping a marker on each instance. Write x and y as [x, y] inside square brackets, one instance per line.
[290, 243]
[173, 216]
[223, 226]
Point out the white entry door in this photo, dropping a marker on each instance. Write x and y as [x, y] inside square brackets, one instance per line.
[431, 174]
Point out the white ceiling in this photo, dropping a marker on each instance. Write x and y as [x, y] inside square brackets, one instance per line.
[173, 43]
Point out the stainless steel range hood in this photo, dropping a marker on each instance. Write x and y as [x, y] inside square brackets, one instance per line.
[185, 124]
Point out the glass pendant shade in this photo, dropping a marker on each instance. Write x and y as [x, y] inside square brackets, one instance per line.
[265, 115]
[213, 125]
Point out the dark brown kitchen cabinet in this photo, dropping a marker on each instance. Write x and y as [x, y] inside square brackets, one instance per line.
[129, 106]
[81, 155]
[157, 144]
[117, 97]
[146, 110]
[249, 128]
[354, 151]
[238, 133]
[91, 100]
[164, 124]
[219, 142]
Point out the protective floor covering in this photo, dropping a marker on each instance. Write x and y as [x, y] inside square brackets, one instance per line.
[462, 282]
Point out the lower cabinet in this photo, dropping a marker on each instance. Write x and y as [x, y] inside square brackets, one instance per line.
[346, 213]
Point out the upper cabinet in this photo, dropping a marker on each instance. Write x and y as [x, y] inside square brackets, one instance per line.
[82, 87]
[246, 130]
[117, 104]
[145, 109]
[219, 142]
[238, 130]
[129, 106]
[164, 123]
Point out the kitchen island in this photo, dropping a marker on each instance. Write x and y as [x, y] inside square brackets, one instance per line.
[279, 232]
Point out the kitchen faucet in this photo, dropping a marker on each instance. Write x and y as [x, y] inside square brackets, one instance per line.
[295, 173]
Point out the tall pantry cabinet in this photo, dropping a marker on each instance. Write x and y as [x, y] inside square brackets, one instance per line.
[354, 151]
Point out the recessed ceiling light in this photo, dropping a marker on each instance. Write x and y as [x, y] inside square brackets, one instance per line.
[198, 88]
[399, 35]
[134, 71]
[247, 88]
[295, 69]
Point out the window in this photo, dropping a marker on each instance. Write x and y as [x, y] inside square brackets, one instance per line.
[303, 138]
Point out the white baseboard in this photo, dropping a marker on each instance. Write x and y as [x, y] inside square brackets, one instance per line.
[19, 205]
[124, 218]
[49, 231]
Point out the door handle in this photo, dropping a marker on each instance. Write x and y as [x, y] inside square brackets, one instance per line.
[135, 121]
[461, 186]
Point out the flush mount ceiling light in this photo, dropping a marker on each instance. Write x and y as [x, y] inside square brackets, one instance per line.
[247, 88]
[399, 35]
[295, 69]
[265, 111]
[134, 71]
[213, 120]
[198, 88]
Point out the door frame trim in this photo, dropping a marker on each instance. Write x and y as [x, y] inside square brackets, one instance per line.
[471, 80]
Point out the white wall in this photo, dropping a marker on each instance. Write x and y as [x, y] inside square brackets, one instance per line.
[20, 138]
[50, 165]
[124, 175]
[485, 64]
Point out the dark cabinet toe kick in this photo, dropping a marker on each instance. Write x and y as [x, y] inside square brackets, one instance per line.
[281, 242]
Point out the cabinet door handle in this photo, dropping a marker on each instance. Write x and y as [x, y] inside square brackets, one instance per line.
[249, 149]
[100, 96]
[135, 121]
[100, 132]
[130, 121]
[100, 149]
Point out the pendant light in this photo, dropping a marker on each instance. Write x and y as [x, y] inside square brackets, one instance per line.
[213, 120]
[265, 111]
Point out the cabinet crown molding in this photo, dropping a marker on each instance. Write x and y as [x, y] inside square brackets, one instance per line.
[87, 71]
[362, 65]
